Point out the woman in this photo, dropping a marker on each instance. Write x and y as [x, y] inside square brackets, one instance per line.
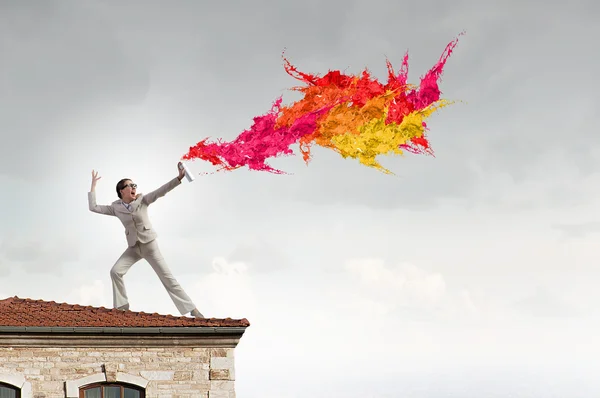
[132, 209]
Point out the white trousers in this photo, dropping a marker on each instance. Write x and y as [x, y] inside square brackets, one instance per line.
[151, 253]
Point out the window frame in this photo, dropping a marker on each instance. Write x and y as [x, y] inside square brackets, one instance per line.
[82, 389]
[11, 387]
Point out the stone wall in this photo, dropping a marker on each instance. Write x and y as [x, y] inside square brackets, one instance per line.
[173, 372]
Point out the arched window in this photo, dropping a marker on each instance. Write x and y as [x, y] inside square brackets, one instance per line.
[110, 390]
[8, 391]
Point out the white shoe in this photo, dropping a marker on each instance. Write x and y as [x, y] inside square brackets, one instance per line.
[196, 314]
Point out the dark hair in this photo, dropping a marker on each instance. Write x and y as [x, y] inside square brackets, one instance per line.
[121, 185]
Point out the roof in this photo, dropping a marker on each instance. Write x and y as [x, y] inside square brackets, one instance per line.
[19, 312]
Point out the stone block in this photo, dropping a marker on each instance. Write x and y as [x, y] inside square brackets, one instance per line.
[157, 375]
[219, 374]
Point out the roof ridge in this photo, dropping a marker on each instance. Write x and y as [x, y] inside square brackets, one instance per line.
[80, 306]
[15, 301]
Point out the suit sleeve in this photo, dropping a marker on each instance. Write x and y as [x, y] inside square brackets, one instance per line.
[151, 197]
[100, 209]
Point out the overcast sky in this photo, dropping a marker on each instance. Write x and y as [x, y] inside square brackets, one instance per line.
[472, 274]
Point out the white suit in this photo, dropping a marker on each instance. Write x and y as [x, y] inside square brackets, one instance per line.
[141, 239]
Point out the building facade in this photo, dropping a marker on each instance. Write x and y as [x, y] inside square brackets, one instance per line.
[52, 350]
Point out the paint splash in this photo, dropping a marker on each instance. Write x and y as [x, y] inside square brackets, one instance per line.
[354, 115]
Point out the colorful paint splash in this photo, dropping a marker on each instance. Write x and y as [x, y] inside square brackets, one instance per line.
[356, 116]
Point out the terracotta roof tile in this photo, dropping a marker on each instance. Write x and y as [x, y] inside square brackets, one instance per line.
[15, 311]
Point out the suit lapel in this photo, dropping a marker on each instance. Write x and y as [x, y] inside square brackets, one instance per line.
[135, 204]
[120, 207]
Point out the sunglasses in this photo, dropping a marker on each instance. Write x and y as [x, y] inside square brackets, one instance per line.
[132, 185]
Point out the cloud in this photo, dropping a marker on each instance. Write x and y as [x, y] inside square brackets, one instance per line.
[404, 290]
[259, 256]
[406, 282]
[580, 230]
[546, 304]
[227, 291]
[94, 293]
[55, 69]
[37, 255]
